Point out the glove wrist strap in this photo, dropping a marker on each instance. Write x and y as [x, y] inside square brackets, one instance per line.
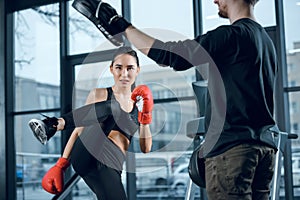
[63, 163]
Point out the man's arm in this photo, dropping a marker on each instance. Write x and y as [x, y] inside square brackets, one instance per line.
[178, 55]
[139, 39]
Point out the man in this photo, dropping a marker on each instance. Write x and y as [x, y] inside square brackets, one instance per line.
[239, 148]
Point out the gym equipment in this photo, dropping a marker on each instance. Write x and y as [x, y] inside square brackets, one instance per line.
[195, 129]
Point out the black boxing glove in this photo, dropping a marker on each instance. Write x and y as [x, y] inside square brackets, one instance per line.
[105, 17]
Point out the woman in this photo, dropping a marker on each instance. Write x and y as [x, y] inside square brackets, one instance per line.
[97, 147]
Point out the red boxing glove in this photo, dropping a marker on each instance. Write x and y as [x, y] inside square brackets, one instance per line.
[53, 180]
[142, 96]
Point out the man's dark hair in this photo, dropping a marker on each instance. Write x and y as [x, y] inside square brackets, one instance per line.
[252, 2]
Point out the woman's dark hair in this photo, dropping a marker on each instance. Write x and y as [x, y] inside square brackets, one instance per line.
[126, 50]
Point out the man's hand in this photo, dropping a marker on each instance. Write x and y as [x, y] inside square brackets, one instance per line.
[105, 17]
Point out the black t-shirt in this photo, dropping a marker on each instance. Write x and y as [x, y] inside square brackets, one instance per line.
[242, 68]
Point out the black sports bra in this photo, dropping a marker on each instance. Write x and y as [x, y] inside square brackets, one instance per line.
[127, 124]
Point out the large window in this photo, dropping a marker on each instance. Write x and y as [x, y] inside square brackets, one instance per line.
[211, 19]
[291, 15]
[88, 77]
[37, 88]
[292, 41]
[37, 58]
[174, 15]
[83, 35]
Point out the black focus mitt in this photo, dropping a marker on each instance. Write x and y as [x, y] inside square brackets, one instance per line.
[105, 18]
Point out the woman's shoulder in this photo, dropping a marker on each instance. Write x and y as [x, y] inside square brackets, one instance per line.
[100, 91]
[97, 95]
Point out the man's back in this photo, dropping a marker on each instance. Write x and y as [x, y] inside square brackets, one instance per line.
[246, 59]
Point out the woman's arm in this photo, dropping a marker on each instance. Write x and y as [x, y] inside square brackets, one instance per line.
[145, 138]
[68, 148]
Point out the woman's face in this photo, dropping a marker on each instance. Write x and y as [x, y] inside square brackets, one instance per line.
[125, 70]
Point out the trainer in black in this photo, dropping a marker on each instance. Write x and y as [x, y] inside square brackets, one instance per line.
[44, 129]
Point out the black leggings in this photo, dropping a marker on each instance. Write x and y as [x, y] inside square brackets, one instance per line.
[103, 180]
[94, 157]
[106, 183]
